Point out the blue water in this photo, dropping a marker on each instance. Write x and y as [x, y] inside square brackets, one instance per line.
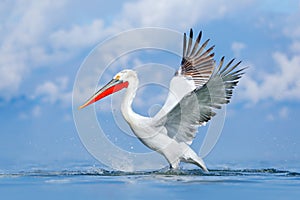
[95, 183]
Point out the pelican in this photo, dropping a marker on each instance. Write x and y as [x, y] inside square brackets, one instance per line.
[197, 89]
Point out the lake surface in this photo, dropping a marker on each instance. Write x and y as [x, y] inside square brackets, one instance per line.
[92, 182]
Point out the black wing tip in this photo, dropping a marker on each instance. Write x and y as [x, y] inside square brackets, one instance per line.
[211, 48]
[231, 61]
[199, 36]
[191, 33]
[229, 64]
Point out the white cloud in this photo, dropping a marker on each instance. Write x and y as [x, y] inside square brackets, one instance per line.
[176, 13]
[79, 36]
[144, 14]
[24, 29]
[284, 84]
[53, 92]
[237, 48]
[291, 29]
[295, 46]
[10, 74]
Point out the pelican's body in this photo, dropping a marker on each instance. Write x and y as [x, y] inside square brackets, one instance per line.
[196, 89]
[150, 132]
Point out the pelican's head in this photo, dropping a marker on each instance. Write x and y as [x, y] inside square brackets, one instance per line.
[120, 81]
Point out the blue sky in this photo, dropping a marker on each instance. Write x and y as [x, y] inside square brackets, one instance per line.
[43, 44]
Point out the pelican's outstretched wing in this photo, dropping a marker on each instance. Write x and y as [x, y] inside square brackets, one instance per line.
[196, 108]
[196, 63]
[196, 68]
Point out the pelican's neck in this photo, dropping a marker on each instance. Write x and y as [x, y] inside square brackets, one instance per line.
[126, 106]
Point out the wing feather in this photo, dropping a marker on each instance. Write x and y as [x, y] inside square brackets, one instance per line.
[195, 64]
[197, 107]
[196, 68]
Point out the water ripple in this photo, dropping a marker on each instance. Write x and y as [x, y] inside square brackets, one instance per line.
[196, 172]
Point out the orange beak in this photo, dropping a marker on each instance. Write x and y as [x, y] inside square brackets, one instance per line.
[113, 86]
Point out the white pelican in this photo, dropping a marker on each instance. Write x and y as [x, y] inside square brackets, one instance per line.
[196, 89]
